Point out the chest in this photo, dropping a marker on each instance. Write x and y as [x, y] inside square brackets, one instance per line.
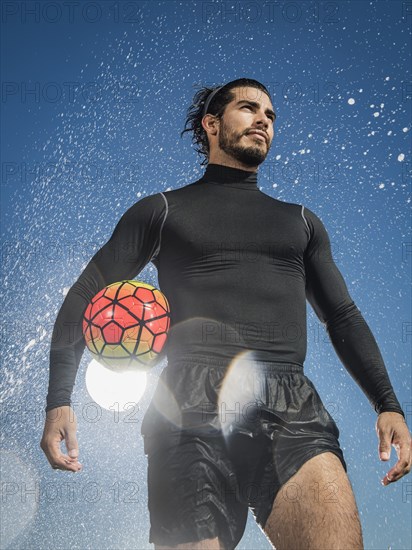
[249, 230]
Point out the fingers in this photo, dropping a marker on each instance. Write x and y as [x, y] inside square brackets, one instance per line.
[58, 460]
[403, 465]
[65, 463]
[401, 468]
[71, 444]
[61, 461]
[385, 440]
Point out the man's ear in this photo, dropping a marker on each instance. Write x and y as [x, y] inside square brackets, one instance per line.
[210, 124]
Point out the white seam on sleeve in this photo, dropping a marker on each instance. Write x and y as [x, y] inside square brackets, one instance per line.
[161, 227]
[302, 211]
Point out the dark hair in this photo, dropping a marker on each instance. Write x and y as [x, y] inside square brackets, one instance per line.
[217, 107]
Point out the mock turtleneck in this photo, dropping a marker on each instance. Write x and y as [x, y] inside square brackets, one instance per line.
[226, 175]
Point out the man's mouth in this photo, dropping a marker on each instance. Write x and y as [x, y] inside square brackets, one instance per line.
[256, 134]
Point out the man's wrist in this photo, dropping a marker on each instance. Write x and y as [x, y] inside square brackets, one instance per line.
[54, 406]
[399, 411]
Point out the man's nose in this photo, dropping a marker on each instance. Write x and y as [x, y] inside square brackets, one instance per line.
[262, 119]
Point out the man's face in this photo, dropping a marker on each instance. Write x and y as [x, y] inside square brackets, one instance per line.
[247, 116]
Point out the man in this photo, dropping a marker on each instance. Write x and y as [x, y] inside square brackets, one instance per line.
[234, 419]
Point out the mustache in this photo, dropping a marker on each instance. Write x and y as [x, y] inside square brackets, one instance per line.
[259, 132]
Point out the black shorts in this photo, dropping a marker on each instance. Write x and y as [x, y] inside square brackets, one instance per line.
[219, 443]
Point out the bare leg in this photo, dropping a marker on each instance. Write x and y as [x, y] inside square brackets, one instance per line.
[208, 544]
[316, 509]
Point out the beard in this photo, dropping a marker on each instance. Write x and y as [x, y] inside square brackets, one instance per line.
[251, 155]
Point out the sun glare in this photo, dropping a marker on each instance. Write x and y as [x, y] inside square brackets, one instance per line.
[114, 389]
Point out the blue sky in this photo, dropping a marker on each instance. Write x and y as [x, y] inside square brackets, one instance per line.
[94, 97]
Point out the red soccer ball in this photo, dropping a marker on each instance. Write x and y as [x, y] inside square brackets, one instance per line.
[125, 325]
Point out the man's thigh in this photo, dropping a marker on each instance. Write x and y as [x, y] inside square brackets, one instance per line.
[316, 509]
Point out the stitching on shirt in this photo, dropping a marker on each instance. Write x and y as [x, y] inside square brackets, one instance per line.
[302, 211]
[161, 227]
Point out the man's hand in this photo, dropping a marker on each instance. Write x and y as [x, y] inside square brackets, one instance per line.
[61, 423]
[392, 430]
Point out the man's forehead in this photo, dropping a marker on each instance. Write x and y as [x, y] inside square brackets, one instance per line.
[249, 93]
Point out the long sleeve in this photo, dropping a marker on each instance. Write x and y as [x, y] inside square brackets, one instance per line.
[350, 335]
[134, 242]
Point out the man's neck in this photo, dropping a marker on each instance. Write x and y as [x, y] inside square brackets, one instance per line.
[230, 176]
[226, 160]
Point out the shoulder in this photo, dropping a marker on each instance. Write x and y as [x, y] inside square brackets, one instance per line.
[293, 212]
[289, 207]
[313, 220]
[183, 189]
[316, 229]
[148, 211]
[149, 204]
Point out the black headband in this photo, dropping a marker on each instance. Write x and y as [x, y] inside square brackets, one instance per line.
[209, 99]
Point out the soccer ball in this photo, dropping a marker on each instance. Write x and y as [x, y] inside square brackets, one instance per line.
[125, 325]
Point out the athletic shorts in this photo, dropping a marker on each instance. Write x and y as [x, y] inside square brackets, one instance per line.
[220, 442]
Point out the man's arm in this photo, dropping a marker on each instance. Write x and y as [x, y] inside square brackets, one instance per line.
[131, 246]
[356, 347]
[350, 335]
[135, 240]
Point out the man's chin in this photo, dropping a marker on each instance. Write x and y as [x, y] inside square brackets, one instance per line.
[251, 157]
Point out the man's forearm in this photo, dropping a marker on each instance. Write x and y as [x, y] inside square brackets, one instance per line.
[356, 347]
[67, 347]
[68, 342]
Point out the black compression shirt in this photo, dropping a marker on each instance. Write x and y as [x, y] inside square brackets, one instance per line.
[237, 267]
